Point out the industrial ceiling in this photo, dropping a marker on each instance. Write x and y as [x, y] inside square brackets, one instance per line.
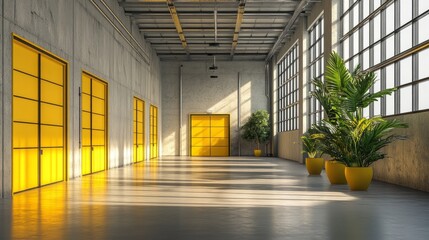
[226, 29]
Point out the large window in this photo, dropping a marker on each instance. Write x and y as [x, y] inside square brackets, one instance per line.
[288, 94]
[315, 70]
[391, 38]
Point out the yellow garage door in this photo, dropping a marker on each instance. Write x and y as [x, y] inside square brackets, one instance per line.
[153, 131]
[94, 122]
[39, 125]
[138, 131]
[209, 135]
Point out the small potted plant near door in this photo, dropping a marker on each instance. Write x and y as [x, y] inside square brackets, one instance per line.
[310, 145]
[347, 135]
[257, 130]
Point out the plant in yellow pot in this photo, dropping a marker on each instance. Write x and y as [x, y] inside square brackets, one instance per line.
[257, 129]
[314, 163]
[346, 134]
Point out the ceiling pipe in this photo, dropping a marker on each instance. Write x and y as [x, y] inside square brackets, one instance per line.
[287, 28]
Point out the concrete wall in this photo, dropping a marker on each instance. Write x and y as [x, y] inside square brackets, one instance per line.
[77, 32]
[2, 100]
[289, 146]
[201, 94]
[407, 162]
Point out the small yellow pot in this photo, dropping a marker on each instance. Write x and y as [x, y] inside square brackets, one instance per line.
[314, 165]
[335, 172]
[257, 152]
[358, 178]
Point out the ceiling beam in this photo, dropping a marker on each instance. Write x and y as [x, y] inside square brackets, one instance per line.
[240, 12]
[287, 28]
[175, 17]
[137, 13]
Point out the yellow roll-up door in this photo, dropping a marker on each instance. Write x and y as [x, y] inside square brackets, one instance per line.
[209, 135]
[94, 122]
[153, 131]
[39, 123]
[138, 131]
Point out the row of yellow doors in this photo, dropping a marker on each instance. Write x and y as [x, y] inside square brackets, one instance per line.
[39, 120]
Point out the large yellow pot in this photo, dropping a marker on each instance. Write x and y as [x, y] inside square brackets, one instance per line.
[358, 178]
[314, 165]
[257, 152]
[335, 172]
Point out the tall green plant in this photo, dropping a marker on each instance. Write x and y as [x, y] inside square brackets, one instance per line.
[346, 134]
[342, 90]
[257, 128]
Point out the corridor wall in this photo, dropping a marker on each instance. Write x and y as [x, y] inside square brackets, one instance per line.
[77, 32]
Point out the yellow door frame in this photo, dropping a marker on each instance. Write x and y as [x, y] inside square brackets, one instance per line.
[136, 100]
[16, 39]
[106, 119]
[208, 115]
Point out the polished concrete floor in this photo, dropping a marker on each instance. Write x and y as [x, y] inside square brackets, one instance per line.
[214, 198]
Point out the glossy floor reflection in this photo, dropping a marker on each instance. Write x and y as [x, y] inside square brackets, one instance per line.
[213, 198]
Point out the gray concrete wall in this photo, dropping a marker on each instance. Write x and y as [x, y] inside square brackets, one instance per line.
[201, 94]
[77, 32]
[2, 100]
[288, 142]
[407, 162]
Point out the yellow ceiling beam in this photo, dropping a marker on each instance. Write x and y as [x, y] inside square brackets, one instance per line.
[240, 12]
[176, 21]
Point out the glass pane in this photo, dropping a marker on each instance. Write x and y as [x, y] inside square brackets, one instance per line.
[390, 76]
[366, 112]
[365, 63]
[406, 39]
[377, 51]
[423, 96]
[355, 15]
[377, 29]
[376, 4]
[377, 108]
[390, 19]
[365, 8]
[366, 35]
[406, 71]
[423, 29]
[345, 5]
[423, 64]
[355, 42]
[423, 6]
[390, 104]
[390, 46]
[406, 101]
[346, 48]
[406, 11]
[346, 23]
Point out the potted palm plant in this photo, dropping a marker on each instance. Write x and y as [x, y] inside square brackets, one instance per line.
[257, 129]
[346, 135]
[310, 145]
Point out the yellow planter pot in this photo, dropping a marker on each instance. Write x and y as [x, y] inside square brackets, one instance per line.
[314, 165]
[257, 153]
[335, 172]
[358, 178]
